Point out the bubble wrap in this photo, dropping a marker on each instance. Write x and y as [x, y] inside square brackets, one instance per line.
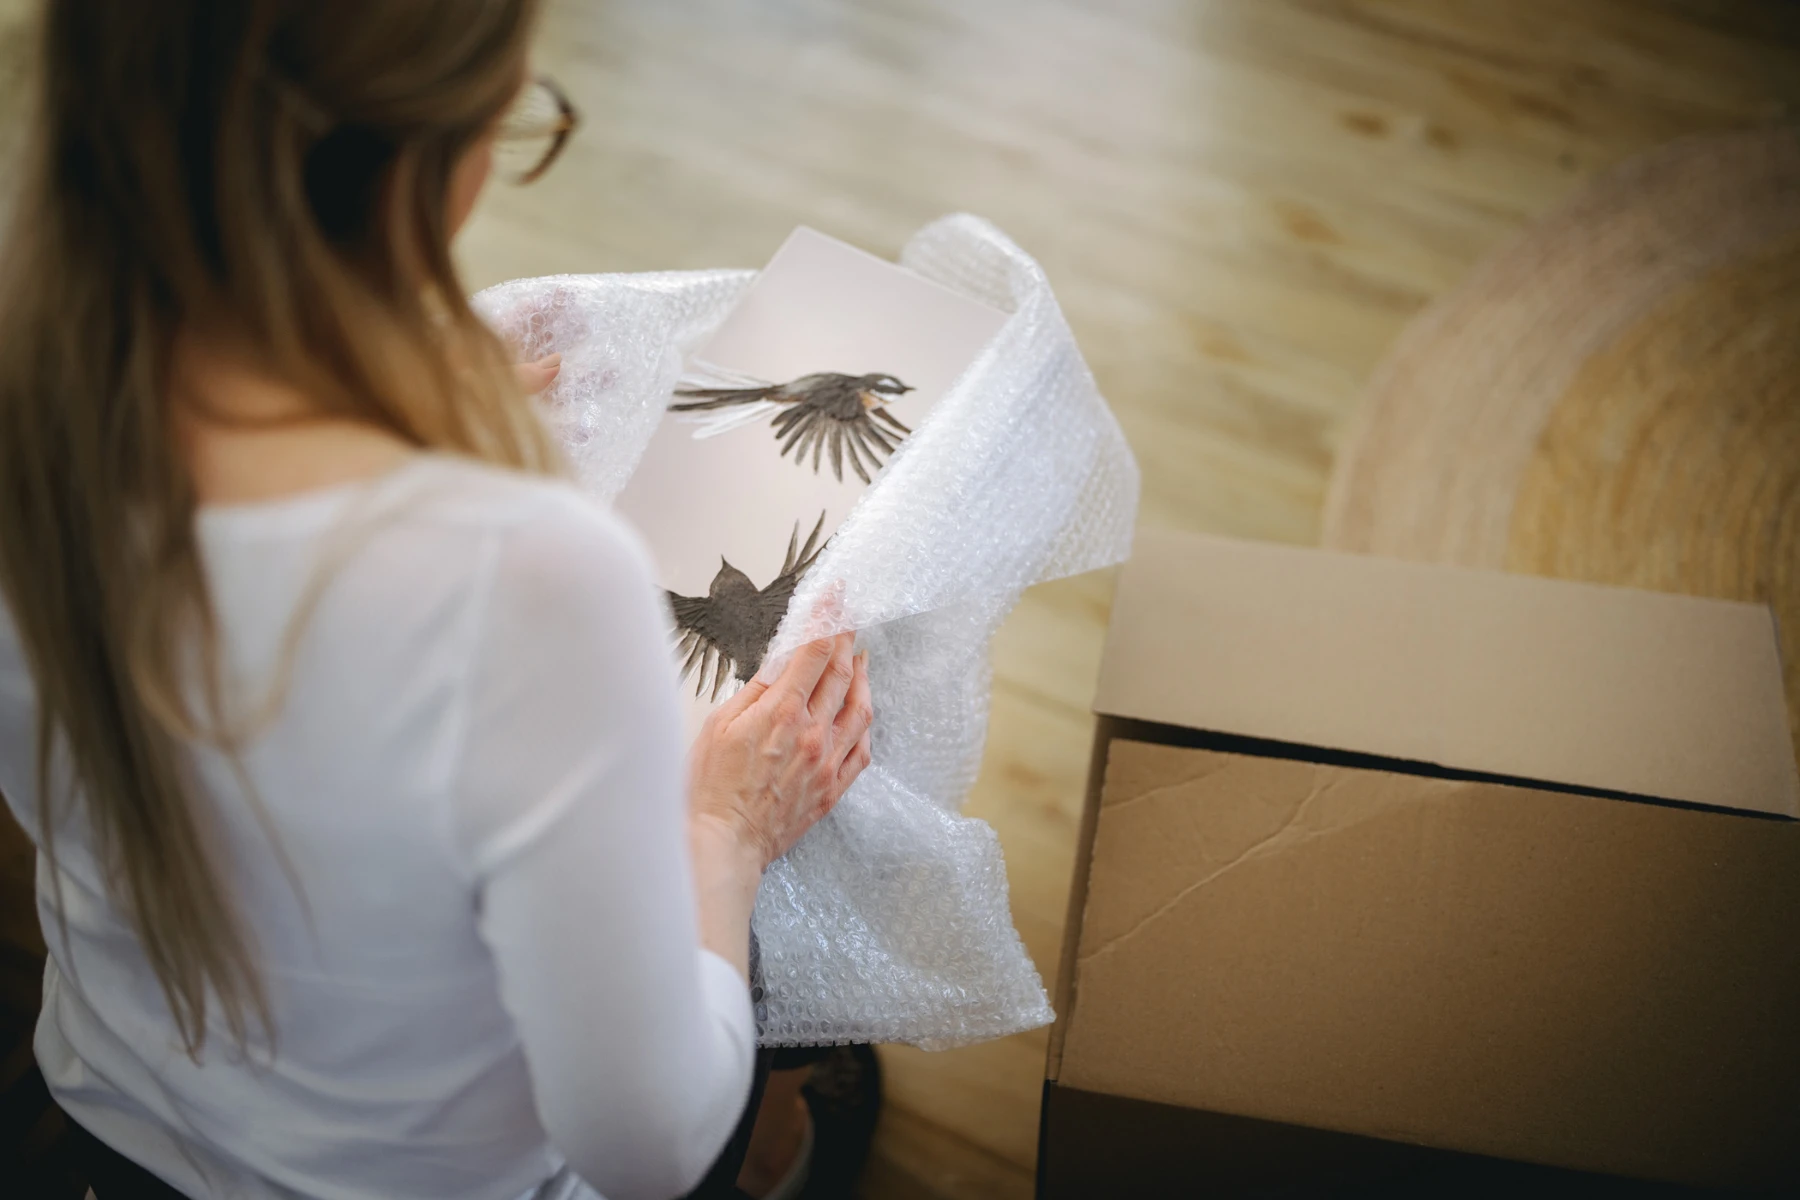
[889, 922]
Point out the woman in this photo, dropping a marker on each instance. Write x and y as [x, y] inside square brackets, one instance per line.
[346, 731]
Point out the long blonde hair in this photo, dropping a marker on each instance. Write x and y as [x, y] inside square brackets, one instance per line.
[280, 166]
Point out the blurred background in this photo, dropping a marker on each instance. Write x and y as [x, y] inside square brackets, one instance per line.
[1242, 204]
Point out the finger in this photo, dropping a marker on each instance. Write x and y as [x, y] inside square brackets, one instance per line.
[834, 684]
[741, 699]
[804, 670]
[534, 377]
[858, 710]
[854, 763]
[827, 613]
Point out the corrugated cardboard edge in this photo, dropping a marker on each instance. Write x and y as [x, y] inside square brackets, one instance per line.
[1104, 732]
[1673, 697]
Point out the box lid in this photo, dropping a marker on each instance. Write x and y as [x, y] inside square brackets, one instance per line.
[1665, 696]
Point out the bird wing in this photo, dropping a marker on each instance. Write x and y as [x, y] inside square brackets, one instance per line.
[775, 598]
[798, 561]
[780, 592]
[690, 611]
[799, 557]
[697, 642]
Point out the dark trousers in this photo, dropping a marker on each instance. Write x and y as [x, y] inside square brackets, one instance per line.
[110, 1174]
[721, 1182]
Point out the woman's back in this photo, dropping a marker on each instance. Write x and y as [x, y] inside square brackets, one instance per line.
[432, 712]
[421, 896]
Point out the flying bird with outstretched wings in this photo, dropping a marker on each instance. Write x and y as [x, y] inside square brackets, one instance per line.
[725, 632]
[845, 414]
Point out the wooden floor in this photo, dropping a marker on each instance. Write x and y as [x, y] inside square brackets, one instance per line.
[1240, 202]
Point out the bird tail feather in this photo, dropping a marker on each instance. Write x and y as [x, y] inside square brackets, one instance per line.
[712, 424]
[711, 387]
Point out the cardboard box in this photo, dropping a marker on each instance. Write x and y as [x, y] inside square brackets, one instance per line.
[1394, 874]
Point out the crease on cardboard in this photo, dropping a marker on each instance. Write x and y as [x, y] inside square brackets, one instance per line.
[1288, 836]
[1112, 806]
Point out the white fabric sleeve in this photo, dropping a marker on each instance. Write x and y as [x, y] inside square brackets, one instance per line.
[569, 812]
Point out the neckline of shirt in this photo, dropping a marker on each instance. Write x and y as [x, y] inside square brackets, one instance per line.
[309, 509]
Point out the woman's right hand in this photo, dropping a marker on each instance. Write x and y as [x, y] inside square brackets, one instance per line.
[778, 755]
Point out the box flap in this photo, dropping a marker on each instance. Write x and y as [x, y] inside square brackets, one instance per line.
[1658, 695]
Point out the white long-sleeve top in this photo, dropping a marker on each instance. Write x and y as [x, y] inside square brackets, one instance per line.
[469, 890]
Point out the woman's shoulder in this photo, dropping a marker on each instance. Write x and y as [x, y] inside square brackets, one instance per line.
[465, 491]
[545, 527]
[439, 525]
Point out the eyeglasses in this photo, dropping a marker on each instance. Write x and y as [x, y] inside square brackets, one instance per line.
[532, 133]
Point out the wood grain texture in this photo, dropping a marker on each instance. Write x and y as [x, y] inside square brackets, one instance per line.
[1240, 203]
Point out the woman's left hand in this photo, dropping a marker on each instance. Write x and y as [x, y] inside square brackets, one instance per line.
[534, 377]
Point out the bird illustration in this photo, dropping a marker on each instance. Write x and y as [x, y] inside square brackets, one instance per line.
[846, 414]
[725, 632]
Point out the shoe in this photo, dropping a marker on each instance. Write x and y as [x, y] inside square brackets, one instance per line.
[844, 1097]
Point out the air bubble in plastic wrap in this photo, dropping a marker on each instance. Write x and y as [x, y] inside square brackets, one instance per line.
[890, 921]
